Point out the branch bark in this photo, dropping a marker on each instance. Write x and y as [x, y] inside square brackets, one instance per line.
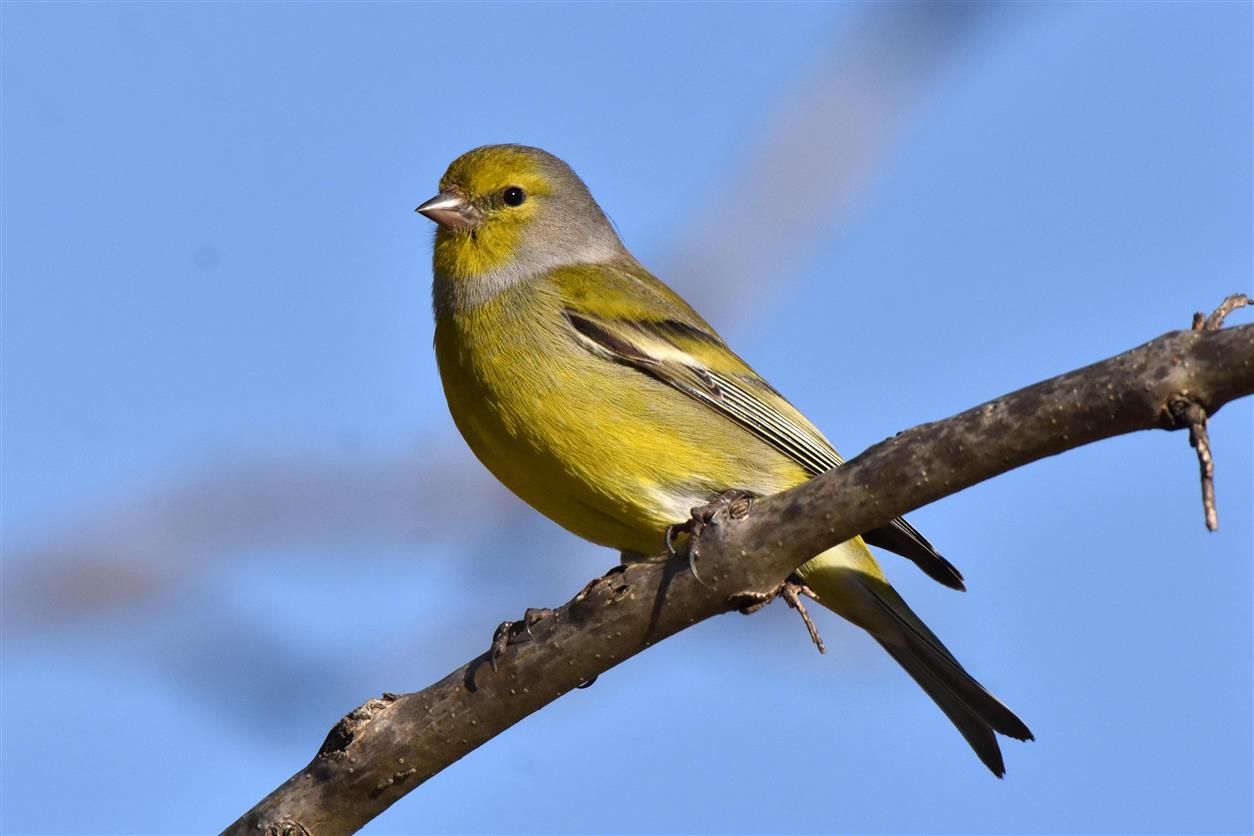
[390, 745]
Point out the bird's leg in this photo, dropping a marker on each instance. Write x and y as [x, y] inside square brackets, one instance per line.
[792, 591]
[736, 503]
[511, 631]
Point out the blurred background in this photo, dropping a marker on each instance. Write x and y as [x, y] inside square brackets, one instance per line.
[235, 507]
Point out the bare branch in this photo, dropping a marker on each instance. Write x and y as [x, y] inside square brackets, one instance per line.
[389, 746]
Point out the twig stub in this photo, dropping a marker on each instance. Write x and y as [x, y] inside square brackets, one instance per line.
[1215, 321]
[1188, 413]
[1191, 415]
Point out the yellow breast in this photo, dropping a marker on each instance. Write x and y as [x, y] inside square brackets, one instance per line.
[602, 449]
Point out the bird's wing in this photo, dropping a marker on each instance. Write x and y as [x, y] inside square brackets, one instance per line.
[634, 319]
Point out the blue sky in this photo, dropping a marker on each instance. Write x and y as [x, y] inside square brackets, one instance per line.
[224, 437]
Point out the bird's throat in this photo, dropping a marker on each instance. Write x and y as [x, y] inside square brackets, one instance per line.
[471, 254]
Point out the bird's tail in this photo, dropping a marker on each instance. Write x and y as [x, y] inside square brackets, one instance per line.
[847, 580]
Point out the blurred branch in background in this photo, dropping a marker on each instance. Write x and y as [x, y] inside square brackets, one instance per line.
[825, 142]
[149, 546]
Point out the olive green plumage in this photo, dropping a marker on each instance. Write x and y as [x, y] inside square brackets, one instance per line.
[601, 398]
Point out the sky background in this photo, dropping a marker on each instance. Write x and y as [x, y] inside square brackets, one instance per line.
[234, 505]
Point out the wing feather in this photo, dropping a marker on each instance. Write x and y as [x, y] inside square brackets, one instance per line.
[681, 353]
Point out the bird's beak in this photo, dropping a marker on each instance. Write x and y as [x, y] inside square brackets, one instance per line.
[451, 210]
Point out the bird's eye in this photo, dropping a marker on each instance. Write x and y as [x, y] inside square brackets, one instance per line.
[513, 196]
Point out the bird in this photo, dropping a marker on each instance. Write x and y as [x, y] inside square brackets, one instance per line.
[602, 399]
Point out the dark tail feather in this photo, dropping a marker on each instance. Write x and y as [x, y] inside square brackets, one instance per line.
[973, 710]
[901, 537]
[977, 732]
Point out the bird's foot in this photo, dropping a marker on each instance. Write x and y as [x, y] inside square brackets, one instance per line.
[735, 503]
[792, 591]
[511, 632]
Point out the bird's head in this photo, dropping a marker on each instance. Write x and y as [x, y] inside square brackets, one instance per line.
[506, 212]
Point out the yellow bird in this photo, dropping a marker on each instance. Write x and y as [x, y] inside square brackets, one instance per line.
[601, 398]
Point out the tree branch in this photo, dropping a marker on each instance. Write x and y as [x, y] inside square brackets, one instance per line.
[389, 746]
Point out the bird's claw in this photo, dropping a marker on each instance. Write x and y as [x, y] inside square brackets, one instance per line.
[533, 616]
[670, 535]
[511, 631]
[500, 641]
[735, 503]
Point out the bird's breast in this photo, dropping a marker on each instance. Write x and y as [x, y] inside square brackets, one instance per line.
[604, 450]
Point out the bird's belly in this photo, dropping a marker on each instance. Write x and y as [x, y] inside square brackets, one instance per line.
[603, 450]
